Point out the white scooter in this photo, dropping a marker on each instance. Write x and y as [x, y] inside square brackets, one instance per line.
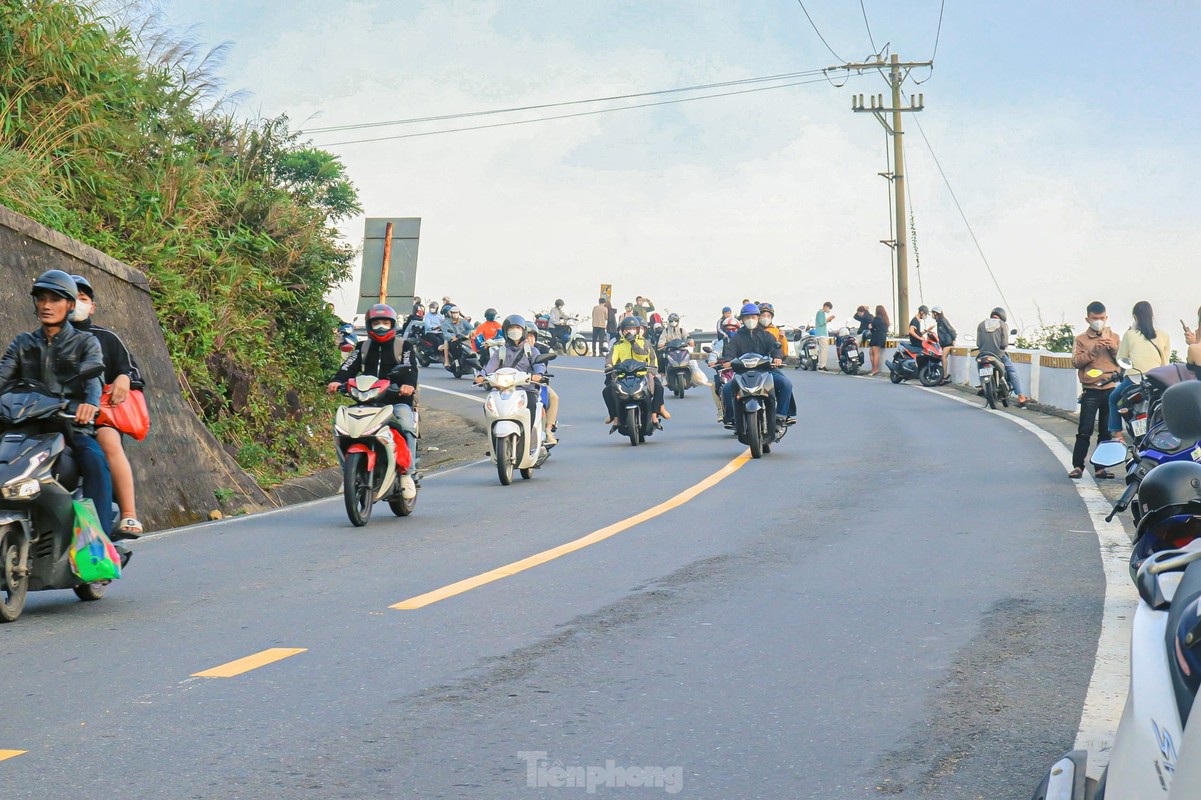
[517, 442]
[375, 458]
[1156, 753]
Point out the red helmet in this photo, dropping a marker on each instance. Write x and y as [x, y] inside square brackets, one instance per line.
[375, 317]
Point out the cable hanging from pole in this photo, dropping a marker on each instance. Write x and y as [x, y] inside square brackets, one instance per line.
[917, 258]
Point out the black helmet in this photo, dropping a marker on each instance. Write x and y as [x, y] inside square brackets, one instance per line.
[558, 304]
[630, 322]
[57, 281]
[1168, 489]
[490, 315]
[923, 309]
[84, 285]
[1000, 314]
[515, 321]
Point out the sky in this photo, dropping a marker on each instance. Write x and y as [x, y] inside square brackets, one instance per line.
[1063, 129]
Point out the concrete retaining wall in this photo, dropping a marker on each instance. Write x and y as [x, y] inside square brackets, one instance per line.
[180, 465]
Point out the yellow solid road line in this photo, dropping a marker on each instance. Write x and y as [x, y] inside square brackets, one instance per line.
[423, 600]
[7, 754]
[250, 662]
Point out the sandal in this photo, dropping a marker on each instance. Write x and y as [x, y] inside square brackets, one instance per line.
[1103, 474]
[129, 528]
[1076, 474]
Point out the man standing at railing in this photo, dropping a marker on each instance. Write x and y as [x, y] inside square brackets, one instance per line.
[1095, 359]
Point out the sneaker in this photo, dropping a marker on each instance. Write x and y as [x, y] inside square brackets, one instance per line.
[408, 489]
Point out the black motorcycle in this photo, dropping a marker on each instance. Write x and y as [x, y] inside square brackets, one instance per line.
[39, 480]
[463, 359]
[993, 380]
[677, 362]
[755, 421]
[635, 400]
[850, 355]
[426, 344]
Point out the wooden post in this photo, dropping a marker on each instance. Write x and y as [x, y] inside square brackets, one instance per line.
[383, 276]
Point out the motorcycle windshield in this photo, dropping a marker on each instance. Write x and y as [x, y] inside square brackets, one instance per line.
[26, 405]
[751, 361]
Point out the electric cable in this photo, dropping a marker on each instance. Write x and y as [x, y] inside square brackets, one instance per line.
[942, 5]
[868, 25]
[819, 33]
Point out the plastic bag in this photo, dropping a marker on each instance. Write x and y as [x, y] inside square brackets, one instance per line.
[93, 557]
[699, 375]
[131, 417]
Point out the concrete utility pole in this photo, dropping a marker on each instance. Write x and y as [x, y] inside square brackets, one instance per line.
[897, 72]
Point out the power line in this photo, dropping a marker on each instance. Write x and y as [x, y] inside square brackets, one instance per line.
[868, 25]
[819, 33]
[542, 106]
[938, 33]
[570, 116]
[972, 233]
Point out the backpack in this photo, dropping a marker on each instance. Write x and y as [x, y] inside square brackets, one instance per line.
[397, 349]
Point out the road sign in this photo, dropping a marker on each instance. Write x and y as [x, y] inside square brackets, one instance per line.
[402, 263]
[607, 291]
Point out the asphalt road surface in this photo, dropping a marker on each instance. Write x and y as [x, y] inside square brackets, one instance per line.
[903, 599]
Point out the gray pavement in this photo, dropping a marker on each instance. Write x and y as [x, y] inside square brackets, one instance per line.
[892, 602]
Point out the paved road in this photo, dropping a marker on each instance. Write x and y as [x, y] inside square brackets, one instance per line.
[900, 600]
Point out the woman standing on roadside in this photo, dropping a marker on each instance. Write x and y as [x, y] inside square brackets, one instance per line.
[879, 328]
[1146, 348]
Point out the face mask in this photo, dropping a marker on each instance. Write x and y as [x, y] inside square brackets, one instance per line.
[515, 334]
[765, 321]
[83, 310]
[381, 327]
[751, 323]
[1097, 325]
[630, 335]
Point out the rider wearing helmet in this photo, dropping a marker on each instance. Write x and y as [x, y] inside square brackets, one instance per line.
[992, 338]
[456, 329]
[727, 324]
[631, 344]
[122, 374]
[671, 332]
[517, 354]
[388, 356]
[70, 364]
[486, 331]
[560, 324]
[767, 321]
[752, 339]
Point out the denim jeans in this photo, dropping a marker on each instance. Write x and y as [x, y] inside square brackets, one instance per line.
[1115, 419]
[97, 480]
[784, 406]
[1011, 375]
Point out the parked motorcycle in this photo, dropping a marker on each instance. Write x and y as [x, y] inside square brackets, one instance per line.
[39, 482]
[922, 361]
[850, 356]
[755, 422]
[678, 362]
[375, 457]
[518, 438]
[993, 380]
[348, 340]
[807, 349]
[635, 400]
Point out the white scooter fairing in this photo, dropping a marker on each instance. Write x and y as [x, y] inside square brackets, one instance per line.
[368, 423]
[506, 410]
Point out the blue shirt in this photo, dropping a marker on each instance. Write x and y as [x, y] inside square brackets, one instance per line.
[819, 329]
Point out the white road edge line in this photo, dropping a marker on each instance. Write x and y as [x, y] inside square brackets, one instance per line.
[209, 524]
[476, 398]
[1111, 670]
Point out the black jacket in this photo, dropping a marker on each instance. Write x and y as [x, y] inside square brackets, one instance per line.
[946, 332]
[381, 360]
[117, 358]
[56, 363]
[865, 321]
[756, 341]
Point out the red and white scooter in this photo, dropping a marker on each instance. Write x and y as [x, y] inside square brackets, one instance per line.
[375, 458]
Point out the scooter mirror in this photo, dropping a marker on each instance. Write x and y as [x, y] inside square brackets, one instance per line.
[706, 348]
[1182, 410]
[1109, 454]
[545, 357]
[1124, 363]
[1013, 331]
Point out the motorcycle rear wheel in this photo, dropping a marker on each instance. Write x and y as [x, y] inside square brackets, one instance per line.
[504, 460]
[402, 507]
[90, 592]
[990, 393]
[754, 434]
[895, 376]
[527, 474]
[356, 489]
[12, 596]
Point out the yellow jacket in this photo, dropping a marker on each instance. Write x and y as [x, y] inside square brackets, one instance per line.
[774, 331]
[639, 350]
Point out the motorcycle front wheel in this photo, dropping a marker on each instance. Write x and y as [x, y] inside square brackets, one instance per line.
[12, 596]
[634, 426]
[754, 434]
[579, 347]
[930, 374]
[505, 456]
[356, 489]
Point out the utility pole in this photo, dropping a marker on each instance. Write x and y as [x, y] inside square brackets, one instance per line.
[897, 72]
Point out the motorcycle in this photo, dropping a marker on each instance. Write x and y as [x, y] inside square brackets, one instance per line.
[348, 340]
[427, 345]
[755, 421]
[993, 380]
[806, 352]
[462, 358]
[373, 454]
[850, 356]
[39, 482]
[569, 341]
[922, 361]
[635, 400]
[678, 362]
[518, 441]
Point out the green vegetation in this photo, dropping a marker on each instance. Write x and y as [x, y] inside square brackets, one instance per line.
[1053, 338]
[110, 132]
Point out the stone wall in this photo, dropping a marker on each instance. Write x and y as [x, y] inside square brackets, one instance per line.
[179, 466]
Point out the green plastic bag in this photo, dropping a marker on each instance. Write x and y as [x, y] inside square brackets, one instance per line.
[93, 556]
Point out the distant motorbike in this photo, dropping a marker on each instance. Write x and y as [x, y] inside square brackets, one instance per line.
[518, 438]
[426, 344]
[755, 420]
[808, 347]
[462, 358]
[348, 340]
[39, 482]
[850, 356]
[922, 361]
[678, 362]
[372, 453]
[635, 400]
[993, 380]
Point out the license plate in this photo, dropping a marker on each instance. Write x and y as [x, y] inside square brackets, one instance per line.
[986, 372]
[1139, 426]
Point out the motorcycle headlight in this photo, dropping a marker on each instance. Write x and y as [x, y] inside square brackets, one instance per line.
[504, 381]
[21, 489]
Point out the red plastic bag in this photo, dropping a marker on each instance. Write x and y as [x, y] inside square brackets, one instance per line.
[131, 417]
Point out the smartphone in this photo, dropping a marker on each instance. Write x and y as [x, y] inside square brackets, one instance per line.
[1186, 330]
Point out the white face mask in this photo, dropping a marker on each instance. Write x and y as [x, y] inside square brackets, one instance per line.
[1097, 325]
[751, 323]
[765, 321]
[83, 310]
[515, 334]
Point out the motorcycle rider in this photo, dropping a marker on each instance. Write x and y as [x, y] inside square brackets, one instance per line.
[728, 329]
[519, 354]
[122, 373]
[992, 338]
[388, 356]
[59, 356]
[726, 322]
[673, 330]
[560, 324]
[767, 321]
[751, 339]
[552, 397]
[455, 329]
[631, 345]
[486, 331]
